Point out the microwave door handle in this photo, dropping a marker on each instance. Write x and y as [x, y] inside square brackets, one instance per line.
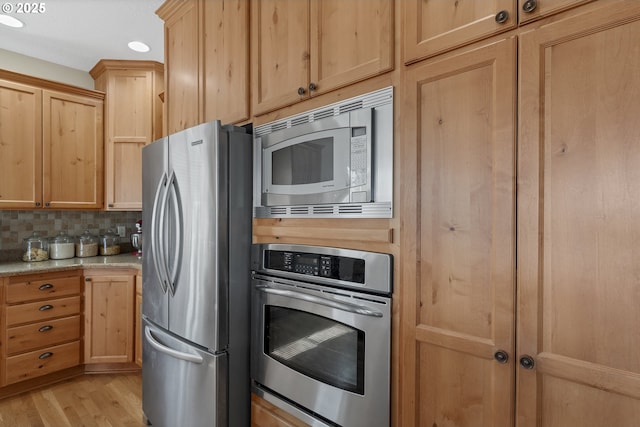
[344, 306]
[194, 358]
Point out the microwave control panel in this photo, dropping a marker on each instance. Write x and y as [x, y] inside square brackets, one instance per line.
[327, 266]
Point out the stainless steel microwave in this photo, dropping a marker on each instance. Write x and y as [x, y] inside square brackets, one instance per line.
[334, 161]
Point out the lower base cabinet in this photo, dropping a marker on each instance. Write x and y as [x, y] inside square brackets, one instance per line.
[109, 316]
[264, 414]
[40, 325]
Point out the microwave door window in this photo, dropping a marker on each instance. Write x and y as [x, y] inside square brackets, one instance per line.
[317, 347]
[305, 163]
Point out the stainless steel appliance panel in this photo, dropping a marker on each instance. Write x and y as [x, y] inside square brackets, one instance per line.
[366, 405]
[155, 163]
[199, 240]
[191, 391]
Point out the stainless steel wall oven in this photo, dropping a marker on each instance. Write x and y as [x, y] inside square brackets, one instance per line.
[321, 333]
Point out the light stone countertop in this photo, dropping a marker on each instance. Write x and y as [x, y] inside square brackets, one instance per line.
[127, 260]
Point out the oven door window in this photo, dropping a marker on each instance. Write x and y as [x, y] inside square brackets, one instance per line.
[316, 346]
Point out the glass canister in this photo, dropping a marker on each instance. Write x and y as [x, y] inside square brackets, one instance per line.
[61, 247]
[86, 245]
[35, 248]
[109, 243]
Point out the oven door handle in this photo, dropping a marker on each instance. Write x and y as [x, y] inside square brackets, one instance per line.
[344, 306]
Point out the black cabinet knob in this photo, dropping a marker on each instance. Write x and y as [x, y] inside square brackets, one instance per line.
[527, 362]
[529, 6]
[312, 86]
[301, 91]
[501, 356]
[502, 16]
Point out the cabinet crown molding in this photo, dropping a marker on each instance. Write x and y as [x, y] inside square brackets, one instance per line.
[50, 84]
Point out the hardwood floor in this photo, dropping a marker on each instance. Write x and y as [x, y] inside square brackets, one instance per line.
[105, 400]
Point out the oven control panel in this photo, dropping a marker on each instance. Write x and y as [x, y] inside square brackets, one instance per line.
[313, 264]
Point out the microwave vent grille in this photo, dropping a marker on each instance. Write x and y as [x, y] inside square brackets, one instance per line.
[370, 100]
[278, 210]
[350, 209]
[323, 210]
[299, 210]
[352, 106]
[300, 120]
[322, 114]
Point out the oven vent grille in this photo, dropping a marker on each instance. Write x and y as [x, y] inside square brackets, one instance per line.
[369, 100]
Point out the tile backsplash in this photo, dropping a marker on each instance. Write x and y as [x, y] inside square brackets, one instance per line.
[16, 225]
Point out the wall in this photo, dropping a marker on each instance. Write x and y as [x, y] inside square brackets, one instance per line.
[28, 65]
[16, 225]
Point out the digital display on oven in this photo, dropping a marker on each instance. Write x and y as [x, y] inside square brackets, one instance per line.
[327, 266]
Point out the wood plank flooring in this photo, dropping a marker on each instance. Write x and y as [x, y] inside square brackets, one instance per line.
[105, 400]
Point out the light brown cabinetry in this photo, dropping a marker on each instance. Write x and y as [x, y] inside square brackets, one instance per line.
[52, 145]
[302, 48]
[21, 147]
[138, 321]
[578, 216]
[133, 119]
[206, 62]
[264, 414]
[109, 298]
[459, 277]
[577, 162]
[42, 326]
[433, 27]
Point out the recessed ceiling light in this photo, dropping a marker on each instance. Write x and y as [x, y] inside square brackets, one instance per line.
[10, 21]
[139, 47]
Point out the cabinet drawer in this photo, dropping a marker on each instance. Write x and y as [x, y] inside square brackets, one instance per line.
[42, 334]
[42, 362]
[42, 310]
[41, 289]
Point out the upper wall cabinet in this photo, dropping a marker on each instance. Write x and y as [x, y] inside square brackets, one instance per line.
[306, 48]
[51, 145]
[433, 27]
[133, 119]
[206, 62]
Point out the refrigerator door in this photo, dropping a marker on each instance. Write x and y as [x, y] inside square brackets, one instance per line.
[197, 258]
[155, 161]
[183, 385]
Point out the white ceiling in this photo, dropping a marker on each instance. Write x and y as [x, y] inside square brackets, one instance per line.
[78, 33]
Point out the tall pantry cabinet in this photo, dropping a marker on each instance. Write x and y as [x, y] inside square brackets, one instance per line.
[133, 119]
[554, 341]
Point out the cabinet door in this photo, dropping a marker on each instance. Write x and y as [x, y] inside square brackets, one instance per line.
[108, 311]
[130, 127]
[20, 146]
[280, 52]
[73, 147]
[578, 216]
[350, 41]
[432, 27]
[458, 278]
[226, 60]
[182, 80]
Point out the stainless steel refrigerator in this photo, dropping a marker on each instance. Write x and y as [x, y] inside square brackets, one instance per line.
[196, 211]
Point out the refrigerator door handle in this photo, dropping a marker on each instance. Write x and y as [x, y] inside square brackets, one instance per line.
[174, 268]
[156, 233]
[194, 358]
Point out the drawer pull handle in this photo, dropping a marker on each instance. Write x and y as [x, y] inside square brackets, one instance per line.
[46, 307]
[45, 328]
[45, 286]
[46, 355]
